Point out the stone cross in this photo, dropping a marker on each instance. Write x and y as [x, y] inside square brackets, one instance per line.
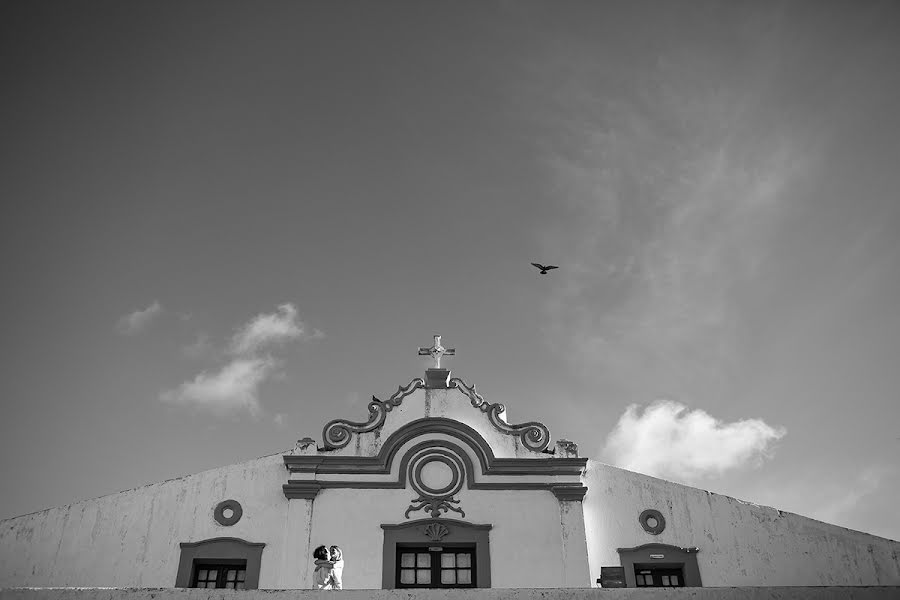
[437, 351]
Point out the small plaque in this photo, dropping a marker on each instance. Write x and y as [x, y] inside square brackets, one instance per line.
[612, 577]
[657, 556]
[435, 548]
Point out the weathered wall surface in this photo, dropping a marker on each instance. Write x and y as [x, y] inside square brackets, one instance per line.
[132, 538]
[757, 593]
[741, 544]
[526, 531]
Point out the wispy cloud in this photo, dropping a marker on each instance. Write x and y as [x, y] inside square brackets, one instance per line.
[270, 329]
[669, 196]
[137, 321]
[233, 389]
[201, 347]
[668, 440]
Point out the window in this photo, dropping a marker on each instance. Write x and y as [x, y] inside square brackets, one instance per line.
[660, 565]
[646, 576]
[232, 576]
[219, 563]
[453, 554]
[435, 567]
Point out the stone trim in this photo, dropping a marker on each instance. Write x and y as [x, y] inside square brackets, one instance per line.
[302, 490]
[655, 514]
[381, 464]
[220, 549]
[535, 436]
[309, 489]
[673, 556]
[453, 532]
[219, 512]
[337, 433]
[569, 492]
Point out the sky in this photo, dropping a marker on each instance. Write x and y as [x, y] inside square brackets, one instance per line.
[225, 224]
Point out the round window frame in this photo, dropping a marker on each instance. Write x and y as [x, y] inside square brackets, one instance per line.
[219, 513]
[651, 513]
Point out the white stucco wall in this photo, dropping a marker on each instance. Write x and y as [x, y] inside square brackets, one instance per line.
[132, 538]
[741, 544]
[526, 545]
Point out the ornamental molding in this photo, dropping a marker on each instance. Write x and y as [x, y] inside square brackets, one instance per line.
[430, 449]
[236, 512]
[535, 436]
[435, 500]
[380, 464]
[435, 531]
[652, 513]
[457, 525]
[569, 492]
[653, 546]
[337, 433]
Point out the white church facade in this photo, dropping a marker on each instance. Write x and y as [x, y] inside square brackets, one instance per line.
[436, 488]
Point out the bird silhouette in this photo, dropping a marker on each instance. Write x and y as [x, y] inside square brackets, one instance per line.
[543, 268]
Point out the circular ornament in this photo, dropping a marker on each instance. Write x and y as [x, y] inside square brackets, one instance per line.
[652, 521]
[440, 464]
[228, 512]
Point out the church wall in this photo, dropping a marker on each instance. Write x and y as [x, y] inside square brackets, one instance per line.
[526, 531]
[741, 544]
[782, 593]
[132, 538]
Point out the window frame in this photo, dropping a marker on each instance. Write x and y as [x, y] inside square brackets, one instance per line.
[223, 566]
[436, 566]
[219, 551]
[657, 573]
[662, 556]
[414, 534]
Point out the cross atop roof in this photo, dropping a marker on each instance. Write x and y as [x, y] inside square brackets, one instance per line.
[437, 351]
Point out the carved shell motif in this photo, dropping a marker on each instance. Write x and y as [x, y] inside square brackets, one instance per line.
[436, 531]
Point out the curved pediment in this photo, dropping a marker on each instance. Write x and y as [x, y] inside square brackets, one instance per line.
[468, 457]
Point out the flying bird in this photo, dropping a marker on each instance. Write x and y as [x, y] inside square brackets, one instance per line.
[543, 268]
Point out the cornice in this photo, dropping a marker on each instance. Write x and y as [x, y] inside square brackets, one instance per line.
[381, 464]
[569, 492]
[653, 545]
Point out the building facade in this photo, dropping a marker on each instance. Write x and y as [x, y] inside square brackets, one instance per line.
[435, 488]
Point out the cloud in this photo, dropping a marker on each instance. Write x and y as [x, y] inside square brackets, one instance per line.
[201, 347]
[670, 441]
[138, 320]
[232, 390]
[270, 329]
[670, 185]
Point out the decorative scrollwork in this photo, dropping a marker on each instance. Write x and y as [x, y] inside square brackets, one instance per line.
[434, 506]
[435, 531]
[535, 436]
[338, 433]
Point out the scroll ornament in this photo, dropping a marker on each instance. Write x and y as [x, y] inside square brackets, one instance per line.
[338, 433]
[535, 436]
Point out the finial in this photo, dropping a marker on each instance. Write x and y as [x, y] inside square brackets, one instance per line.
[437, 351]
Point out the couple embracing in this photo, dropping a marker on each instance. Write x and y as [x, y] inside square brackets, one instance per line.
[329, 568]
